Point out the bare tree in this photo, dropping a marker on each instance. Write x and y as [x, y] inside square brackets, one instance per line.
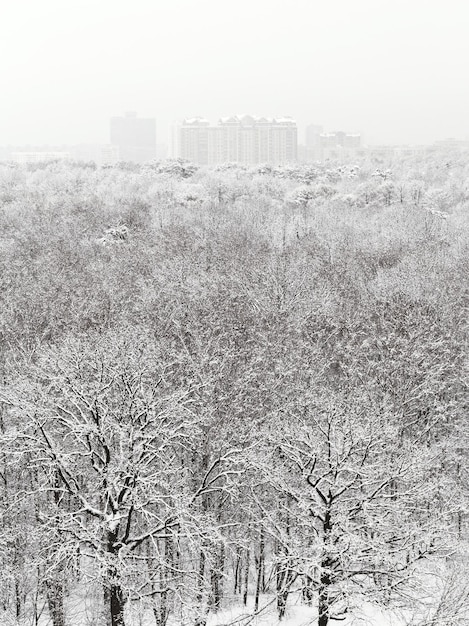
[358, 490]
[108, 433]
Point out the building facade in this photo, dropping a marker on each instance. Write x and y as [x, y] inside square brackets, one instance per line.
[134, 137]
[39, 156]
[239, 139]
[313, 142]
[98, 153]
[320, 146]
[339, 145]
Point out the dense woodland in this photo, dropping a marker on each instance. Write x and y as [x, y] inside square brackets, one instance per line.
[233, 386]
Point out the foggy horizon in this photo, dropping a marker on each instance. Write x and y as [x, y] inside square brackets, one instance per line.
[393, 73]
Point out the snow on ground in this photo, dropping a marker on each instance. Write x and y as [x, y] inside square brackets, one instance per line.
[298, 614]
[83, 608]
[82, 612]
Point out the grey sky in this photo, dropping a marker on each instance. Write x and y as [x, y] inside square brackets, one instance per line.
[394, 70]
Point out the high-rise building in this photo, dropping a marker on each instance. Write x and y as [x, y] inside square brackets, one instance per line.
[238, 139]
[313, 142]
[339, 144]
[134, 137]
[191, 139]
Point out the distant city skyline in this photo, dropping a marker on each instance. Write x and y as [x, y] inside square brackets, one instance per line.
[244, 140]
[162, 142]
[100, 135]
[394, 72]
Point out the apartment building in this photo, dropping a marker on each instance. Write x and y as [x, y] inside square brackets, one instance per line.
[339, 144]
[243, 139]
[134, 137]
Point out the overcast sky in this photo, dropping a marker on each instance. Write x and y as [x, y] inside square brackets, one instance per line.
[395, 70]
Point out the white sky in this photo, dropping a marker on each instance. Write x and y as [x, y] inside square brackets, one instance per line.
[396, 70]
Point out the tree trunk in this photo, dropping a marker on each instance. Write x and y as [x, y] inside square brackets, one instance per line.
[55, 601]
[325, 577]
[237, 572]
[307, 591]
[285, 578]
[260, 570]
[18, 599]
[117, 605]
[114, 604]
[281, 600]
[324, 603]
[162, 612]
[246, 577]
[216, 579]
[201, 619]
[114, 598]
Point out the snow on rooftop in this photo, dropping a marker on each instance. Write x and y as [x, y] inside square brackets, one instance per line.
[196, 120]
[256, 119]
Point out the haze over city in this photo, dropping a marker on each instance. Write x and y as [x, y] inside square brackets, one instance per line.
[394, 72]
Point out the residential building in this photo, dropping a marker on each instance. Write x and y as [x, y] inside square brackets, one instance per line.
[134, 137]
[38, 156]
[338, 145]
[313, 142]
[99, 154]
[239, 139]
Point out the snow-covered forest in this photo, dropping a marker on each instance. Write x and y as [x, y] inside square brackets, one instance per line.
[234, 395]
